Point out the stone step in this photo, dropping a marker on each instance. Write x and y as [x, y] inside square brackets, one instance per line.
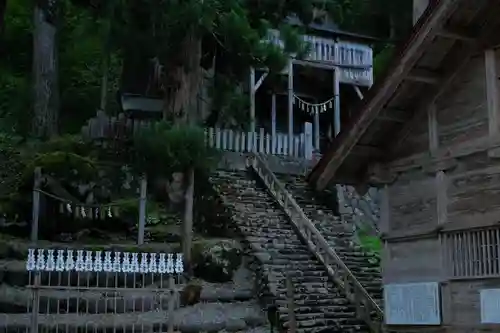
[200, 317]
[279, 249]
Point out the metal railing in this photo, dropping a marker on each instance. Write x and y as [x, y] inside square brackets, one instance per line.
[367, 309]
[93, 291]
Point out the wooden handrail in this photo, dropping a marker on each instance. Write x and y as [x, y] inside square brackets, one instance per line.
[336, 268]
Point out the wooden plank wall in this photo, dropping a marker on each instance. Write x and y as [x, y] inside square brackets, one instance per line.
[451, 180]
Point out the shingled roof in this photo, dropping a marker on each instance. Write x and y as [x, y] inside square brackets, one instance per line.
[446, 36]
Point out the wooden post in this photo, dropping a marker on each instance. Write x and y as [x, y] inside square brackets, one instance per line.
[384, 226]
[273, 123]
[292, 324]
[36, 204]
[188, 221]
[316, 130]
[35, 306]
[336, 94]
[308, 141]
[493, 101]
[252, 101]
[171, 303]
[290, 102]
[142, 211]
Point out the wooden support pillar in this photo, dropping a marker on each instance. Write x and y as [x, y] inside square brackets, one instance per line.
[316, 130]
[36, 204]
[384, 226]
[336, 94]
[142, 210]
[441, 183]
[492, 92]
[273, 121]
[432, 129]
[290, 103]
[252, 100]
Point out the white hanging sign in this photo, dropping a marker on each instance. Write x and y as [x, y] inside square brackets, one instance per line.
[412, 304]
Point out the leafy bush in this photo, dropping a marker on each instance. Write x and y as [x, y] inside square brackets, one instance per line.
[164, 149]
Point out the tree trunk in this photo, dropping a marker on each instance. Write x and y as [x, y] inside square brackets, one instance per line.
[105, 66]
[45, 72]
[183, 81]
[3, 7]
[179, 105]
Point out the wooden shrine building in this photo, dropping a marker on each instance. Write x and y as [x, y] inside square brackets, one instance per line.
[428, 133]
[309, 103]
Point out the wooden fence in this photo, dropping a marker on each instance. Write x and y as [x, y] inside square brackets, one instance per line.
[260, 142]
[104, 127]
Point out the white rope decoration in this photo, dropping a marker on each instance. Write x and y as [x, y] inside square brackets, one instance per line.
[113, 262]
[313, 108]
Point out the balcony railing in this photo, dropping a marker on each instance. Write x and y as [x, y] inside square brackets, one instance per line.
[354, 60]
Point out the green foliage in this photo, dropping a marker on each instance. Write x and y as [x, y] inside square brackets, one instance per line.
[371, 244]
[80, 57]
[382, 60]
[165, 148]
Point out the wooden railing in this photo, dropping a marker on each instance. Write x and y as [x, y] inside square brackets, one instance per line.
[367, 309]
[261, 142]
[355, 60]
[472, 253]
[104, 127]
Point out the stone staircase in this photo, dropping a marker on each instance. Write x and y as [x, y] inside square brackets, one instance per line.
[279, 251]
[366, 267]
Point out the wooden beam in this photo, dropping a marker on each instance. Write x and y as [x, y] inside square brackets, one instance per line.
[393, 115]
[364, 150]
[457, 34]
[459, 56]
[417, 44]
[423, 76]
[328, 65]
[259, 83]
[358, 91]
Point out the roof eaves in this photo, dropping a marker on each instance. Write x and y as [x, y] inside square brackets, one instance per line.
[381, 90]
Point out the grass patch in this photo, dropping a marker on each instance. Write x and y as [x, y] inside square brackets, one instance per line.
[370, 243]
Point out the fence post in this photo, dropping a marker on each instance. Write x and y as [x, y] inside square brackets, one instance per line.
[36, 302]
[171, 304]
[292, 325]
[308, 141]
[187, 229]
[142, 210]
[36, 204]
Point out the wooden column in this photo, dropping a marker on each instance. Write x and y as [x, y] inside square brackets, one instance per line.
[142, 211]
[441, 178]
[492, 92]
[36, 204]
[273, 123]
[252, 100]
[336, 94]
[432, 129]
[290, 103]
[316, 130]
[384, 210]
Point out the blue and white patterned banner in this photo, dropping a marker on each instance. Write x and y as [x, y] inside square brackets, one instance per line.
[112, 262]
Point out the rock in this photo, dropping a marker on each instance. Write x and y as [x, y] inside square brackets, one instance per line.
[190, 295]
[217, 262]
[164, 233]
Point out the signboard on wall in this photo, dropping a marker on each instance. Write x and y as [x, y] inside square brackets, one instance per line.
[490, 306]
[412, 304]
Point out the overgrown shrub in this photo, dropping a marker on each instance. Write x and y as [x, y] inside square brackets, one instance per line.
[164, 149]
